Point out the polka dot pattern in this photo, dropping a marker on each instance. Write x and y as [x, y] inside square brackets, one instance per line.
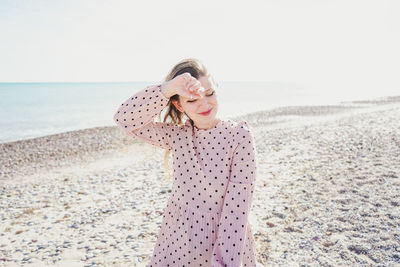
[135, 117]
[205, 222]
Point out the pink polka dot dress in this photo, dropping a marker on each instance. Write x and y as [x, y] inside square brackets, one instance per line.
[205, 222]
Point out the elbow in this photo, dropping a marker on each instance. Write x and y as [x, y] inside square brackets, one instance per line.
[119, 121]
[116, 119]
[117, 116]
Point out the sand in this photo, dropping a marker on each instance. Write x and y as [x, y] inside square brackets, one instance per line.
[327, 191]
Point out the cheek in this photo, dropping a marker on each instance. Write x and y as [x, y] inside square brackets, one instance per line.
[190, 108]
[214, 101]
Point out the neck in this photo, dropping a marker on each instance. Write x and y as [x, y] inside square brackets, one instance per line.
[207, 125]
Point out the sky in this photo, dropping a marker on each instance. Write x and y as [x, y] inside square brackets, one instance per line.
[331, 44]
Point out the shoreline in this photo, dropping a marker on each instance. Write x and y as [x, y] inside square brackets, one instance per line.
[299, 110]
[28, 156]
[327, 191]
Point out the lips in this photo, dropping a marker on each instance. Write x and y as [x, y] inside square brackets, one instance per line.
[207, 112]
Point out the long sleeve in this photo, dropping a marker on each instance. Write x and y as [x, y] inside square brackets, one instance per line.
[232, 228]
[136, 115]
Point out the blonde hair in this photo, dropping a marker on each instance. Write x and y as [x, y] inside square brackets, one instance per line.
[197, 69]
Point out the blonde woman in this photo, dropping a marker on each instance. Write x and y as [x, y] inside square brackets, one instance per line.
[205, 222]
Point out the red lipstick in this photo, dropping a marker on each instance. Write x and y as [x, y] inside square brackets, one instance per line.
[206, 113]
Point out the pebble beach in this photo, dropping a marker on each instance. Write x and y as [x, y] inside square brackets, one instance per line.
[327, 191]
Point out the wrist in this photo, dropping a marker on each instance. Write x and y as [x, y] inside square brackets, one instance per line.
[165, 90]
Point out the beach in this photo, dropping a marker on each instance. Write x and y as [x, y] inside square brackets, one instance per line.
[327, 191]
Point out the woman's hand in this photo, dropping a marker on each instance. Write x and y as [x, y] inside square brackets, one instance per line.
[184, 85]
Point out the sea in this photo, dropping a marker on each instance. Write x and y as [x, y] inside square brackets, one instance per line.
[29, 110]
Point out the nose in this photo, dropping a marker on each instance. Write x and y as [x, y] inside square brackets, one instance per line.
[203, 105]
[203, 102]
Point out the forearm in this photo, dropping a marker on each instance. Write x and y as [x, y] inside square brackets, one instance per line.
[166, 90]
[139, 109]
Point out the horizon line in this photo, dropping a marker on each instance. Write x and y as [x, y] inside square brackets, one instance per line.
[5, 82]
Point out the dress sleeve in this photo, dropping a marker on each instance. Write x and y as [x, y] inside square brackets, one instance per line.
[232, 227]
[136, 115]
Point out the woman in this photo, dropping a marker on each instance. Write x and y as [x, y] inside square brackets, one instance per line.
[205, 222]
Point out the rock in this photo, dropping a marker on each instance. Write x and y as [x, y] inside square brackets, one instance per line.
[270, 224]
[359, 249]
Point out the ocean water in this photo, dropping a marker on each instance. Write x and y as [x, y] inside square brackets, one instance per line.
[29, 110]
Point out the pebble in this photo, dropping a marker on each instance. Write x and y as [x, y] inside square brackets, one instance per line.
[327, 191]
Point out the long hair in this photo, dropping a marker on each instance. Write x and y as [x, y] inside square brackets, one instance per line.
[197, 69]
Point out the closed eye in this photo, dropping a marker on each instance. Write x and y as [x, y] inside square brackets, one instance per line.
[191, 101]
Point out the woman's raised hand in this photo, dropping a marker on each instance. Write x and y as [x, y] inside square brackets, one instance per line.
[184, 85]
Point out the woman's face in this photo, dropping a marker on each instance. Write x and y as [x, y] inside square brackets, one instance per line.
[194, 107]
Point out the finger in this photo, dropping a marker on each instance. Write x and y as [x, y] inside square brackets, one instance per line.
[193, 83]
[189, 77]
[200, 93]
[193, 97]
[187, 92]
[200, 88]
[192, 92]
[189, 85]
[197, 88]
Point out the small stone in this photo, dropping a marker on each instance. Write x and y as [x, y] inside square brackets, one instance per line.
[327, 244]
[75, 226]
[270, 224]
[279, 215]
[357, 249]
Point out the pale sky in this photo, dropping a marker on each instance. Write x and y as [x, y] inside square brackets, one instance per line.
[338, 43]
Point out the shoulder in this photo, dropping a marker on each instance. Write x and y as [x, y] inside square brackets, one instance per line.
[244, 141]
[243, 126]
[235, 126]
[242, 131]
